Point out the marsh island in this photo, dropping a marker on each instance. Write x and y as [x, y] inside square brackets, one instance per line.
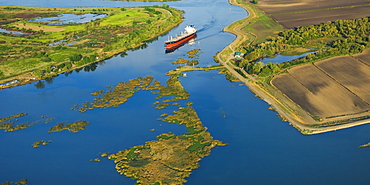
[37, 43]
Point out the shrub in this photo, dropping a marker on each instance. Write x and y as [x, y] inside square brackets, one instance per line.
[75, 57]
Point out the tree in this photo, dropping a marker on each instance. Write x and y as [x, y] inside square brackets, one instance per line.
[75, 57]
[255, 1]
[257, 67]
[265, 71]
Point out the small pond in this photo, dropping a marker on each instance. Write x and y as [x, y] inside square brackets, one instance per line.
[70, 18]
[281, 58]
[12, 32]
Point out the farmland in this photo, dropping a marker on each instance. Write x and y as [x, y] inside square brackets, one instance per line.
[350, 73]
[296, 13]
[322, 95]
[364, 57]
[326, 89]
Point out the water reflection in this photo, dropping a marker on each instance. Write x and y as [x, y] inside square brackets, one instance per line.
[40, 84]
[283, 58]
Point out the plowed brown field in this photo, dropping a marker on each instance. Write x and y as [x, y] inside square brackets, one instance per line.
[364, 57]
[295, 13]
[318, 93]
[349, 72]
[299, 94]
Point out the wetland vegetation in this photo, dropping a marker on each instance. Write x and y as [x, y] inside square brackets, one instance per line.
[48, 50]
[41, 142]
[170, 158]
[330, 39]
[72, 127]
[20, 182]
[9, 124]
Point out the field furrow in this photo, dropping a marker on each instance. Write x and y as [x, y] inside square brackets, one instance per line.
[299, 94]
[349, 72]
[296, 13]
[318, 93]
[364, 57]
[313, 18]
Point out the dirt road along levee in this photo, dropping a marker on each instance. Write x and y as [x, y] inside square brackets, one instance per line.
[287, 109]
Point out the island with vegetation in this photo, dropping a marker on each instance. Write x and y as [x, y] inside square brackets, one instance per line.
[20, 182]
[36, 44]
[41, 142]
[170, 158]
[10, 123]
[323, 91]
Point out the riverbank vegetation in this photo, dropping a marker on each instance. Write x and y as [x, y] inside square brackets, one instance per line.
[47, 50]
[328, 40]
[343, 37]
[316, 108]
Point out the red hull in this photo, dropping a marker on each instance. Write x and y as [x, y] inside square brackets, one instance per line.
[179, 42]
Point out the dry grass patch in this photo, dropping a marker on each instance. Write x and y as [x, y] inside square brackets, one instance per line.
[40, 27]
[349, 72]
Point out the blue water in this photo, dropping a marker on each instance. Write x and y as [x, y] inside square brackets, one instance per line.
[70, 18]
[12, 32]
[262, 149]
[282, 58]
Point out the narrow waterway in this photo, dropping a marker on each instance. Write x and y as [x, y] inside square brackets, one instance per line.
[261, 148]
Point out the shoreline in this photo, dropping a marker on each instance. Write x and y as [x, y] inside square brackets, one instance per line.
[287, 109]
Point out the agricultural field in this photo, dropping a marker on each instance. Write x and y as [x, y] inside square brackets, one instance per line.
[364, 57]
[349, 72]
[294, 13]
[263, 27]
[322, 95]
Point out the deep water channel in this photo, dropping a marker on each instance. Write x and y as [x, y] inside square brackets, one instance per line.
[261, 148]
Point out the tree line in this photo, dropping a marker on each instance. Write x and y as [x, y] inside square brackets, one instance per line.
[342, 37]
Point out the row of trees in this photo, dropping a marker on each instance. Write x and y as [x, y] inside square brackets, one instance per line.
[346, 37]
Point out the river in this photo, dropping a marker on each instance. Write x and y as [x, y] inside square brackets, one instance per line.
[261, 148]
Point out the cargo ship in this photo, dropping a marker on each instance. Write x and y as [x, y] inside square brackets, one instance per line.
[179, 40]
